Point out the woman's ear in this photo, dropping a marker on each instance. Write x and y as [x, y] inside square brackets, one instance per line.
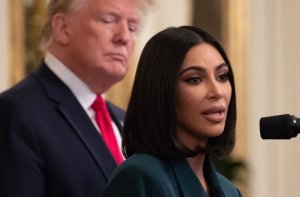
[59, 28]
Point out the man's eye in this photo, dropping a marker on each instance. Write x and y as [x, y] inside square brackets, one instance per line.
[133, 26]
[107, 20]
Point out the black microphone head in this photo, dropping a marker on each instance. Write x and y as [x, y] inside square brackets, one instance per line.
[278, 127]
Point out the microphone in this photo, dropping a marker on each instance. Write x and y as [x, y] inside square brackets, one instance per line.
[283, 126]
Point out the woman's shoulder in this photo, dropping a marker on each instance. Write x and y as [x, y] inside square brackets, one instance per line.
[145, 167]
[142, 175]
[228, 186]
[144, 158]
[144, 163]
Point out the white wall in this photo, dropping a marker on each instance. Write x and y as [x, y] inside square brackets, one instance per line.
[4, 50]
[163, 14]
[274, 88]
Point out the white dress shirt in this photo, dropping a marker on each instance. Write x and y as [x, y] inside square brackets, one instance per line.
[81, 91]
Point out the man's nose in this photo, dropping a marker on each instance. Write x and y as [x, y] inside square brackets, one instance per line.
[122, 33]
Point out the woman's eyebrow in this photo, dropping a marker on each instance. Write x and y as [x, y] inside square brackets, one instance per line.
[196, 68]
[221, 66]
[201, 69]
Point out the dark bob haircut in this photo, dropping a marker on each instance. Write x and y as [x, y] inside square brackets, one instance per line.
[150, 121]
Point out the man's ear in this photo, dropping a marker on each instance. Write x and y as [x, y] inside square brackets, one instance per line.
[59, 28]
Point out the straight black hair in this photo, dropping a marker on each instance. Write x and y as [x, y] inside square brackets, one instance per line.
[150, 121]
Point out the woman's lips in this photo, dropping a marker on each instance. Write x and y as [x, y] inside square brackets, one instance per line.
[215, 114]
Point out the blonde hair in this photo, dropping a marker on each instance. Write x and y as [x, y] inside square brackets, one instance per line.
[57, 6]
[54, 7]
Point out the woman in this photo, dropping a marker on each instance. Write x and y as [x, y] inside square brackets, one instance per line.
[182, 111]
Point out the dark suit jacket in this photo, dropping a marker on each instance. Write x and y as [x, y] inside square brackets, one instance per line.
[143, 175]
[48, 145]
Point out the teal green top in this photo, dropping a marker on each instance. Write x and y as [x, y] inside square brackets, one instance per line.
[143, 175]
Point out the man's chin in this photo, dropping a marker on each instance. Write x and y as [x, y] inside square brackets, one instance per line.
[119, 71]
[117, 76]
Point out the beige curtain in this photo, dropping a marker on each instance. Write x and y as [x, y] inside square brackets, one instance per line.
[235, 33]
[17, 66]
[235, 36]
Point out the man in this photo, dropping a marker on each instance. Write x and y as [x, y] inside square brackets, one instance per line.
[51, 144]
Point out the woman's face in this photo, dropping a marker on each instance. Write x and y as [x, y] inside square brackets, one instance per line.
[204, 93]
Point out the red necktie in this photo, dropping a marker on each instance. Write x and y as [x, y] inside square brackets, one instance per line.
[104, 122]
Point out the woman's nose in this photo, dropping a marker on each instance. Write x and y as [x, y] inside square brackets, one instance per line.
[214, 90]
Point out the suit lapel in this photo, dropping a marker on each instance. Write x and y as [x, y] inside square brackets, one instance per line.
[116, 115]
[74, 114]
[189, 183]
[187, 180]
[212, 178]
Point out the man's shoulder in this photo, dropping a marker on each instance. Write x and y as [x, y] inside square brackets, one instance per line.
[25, 88]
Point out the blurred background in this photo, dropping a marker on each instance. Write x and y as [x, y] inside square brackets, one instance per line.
[263, 44]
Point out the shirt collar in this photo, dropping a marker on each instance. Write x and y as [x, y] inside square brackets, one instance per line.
[81, 91]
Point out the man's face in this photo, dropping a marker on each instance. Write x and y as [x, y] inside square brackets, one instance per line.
[102, 35]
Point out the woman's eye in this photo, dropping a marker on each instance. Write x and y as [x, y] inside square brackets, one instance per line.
[223, 77]
[194, 80]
